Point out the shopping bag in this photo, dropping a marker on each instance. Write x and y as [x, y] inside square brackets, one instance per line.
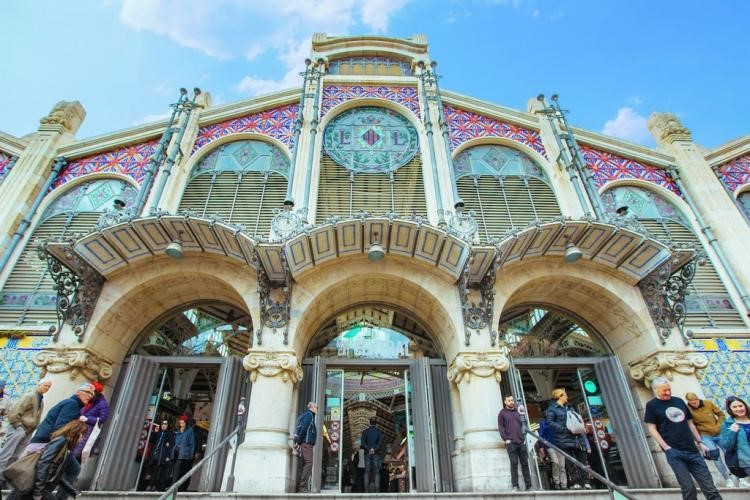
[20, 474]
[86, 453]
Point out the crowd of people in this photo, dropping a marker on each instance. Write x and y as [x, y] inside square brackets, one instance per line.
[692, 433]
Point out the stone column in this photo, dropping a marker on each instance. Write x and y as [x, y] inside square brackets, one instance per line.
[263, 458]
[684, 369]
[69, 367]
[724, 222]
[481, 465]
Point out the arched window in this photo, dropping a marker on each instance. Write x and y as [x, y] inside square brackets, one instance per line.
[29, 297]
[708, 303]
[744, 199]
[241, 182]
[369, 65]
[505, 188]
[370, 162]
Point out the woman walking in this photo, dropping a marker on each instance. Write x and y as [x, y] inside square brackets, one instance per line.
[51, 465]
[574, 445]
[735, 437]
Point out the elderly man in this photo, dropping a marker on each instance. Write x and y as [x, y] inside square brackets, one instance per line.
[23, 418]
[670, 424]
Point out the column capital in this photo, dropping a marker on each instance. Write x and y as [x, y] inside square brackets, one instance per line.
[667, 128]
[271, 364]
[667, 364]
[65, 117]
[477, 363]
[79, 361]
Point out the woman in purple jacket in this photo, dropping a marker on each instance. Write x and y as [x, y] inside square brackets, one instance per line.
[96, 410]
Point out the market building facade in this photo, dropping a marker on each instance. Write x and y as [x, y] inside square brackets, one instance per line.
[380, 246]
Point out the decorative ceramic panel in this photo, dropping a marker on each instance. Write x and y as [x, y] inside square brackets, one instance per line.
[609, 167]
[130, 161]
[333, 95]
[17, 366]
[277, 123]
[735, 173]
[6, 163]
[465, 125]
[728, 370]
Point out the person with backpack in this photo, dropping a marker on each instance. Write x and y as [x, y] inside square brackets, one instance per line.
[735, 439]
[569, 431]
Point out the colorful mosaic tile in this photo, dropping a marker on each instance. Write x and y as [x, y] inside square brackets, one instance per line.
[277, 123]
[333, 95]
[6, 163]
[130, 161]
[735, 173]
[609, 167]
[728, 371]
[465, 125]
[17, 366]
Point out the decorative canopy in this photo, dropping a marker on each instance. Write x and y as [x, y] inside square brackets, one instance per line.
[371, 140]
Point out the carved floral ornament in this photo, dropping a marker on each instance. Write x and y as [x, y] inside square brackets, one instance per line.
[477, 364]
[79, 361]
[273, 364]
[666, 364]
[67, 114]
[667, 128]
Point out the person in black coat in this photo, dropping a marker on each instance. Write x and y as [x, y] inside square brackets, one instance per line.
[161, 457]
[574, 445]
[53, 462]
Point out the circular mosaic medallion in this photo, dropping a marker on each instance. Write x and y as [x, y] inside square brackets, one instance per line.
[371, 139]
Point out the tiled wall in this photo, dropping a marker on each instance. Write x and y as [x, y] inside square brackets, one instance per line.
[728, 371]
[16, 363]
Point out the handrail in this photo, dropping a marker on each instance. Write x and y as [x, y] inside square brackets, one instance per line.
[581, 465]
[171, 493]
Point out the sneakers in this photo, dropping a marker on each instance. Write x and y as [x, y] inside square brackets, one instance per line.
[731, 483]
[587, 486]
[744, 483]
[515, 489]
[576, 486]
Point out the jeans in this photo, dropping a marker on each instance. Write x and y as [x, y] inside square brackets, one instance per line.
[306, 453]
[372, 464]
[691, 463]
[517, 453]
[559, 476]
[712, 442]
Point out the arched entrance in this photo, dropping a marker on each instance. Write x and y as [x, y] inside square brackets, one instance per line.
[552, 348]
[185, 365]
[374, 362]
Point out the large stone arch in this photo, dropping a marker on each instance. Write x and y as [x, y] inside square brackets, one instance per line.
[430, 298]
[134, 297]
[611, 304]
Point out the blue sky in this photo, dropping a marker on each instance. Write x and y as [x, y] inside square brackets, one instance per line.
[612, 63]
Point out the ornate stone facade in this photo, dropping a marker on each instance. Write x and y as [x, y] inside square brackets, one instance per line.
[79, 361]
[667, 364]
[273, 364]
[66, 116]
[477, 364]
[667, 128]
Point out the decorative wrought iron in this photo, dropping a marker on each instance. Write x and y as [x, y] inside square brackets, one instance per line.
[478, 316]
[288, 223]
[274, 314]
[78, 289]
[462, 224]
[664, 292]
[114, 216]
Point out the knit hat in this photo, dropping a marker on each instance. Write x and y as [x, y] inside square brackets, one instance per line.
[98, 387]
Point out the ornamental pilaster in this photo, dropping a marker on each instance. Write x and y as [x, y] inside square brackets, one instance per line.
[272, 364]
[80, 362]
[477, 364]
[668, 364]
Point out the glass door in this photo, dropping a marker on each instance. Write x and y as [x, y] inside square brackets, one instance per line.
[332, 430]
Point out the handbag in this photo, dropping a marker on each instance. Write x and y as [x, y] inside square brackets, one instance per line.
[574, 422]
[86, 453]
[20, 474]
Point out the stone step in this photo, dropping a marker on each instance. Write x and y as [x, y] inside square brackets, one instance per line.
[641, 494]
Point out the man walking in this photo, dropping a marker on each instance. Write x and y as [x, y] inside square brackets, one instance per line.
[510, 425]
[670, 424]
[372, 440]
[305, 435]
[23, 418]
[708, 418]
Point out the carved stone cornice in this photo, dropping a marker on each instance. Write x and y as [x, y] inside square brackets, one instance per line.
[477, 364]
[271, 364]
[79, 361]
[666, 128]
[666, 364]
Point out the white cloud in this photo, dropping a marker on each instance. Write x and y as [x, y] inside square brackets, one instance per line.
[629, 125]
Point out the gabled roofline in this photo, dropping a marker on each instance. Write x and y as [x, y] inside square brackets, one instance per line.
[729, 151]
[11, 144]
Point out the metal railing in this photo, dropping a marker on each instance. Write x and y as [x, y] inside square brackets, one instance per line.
[171, 493]
[610, 485]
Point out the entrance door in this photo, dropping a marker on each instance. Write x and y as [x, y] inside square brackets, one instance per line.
[397, 394]
[597, 390]
[144, 396]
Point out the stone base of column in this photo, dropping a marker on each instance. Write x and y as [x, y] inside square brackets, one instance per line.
[482, 470]
[263, 464]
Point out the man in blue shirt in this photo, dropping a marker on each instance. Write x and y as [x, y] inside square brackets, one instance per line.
[670, 424]
[372, 440]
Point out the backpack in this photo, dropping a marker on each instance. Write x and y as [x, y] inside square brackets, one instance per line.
[574, 422]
